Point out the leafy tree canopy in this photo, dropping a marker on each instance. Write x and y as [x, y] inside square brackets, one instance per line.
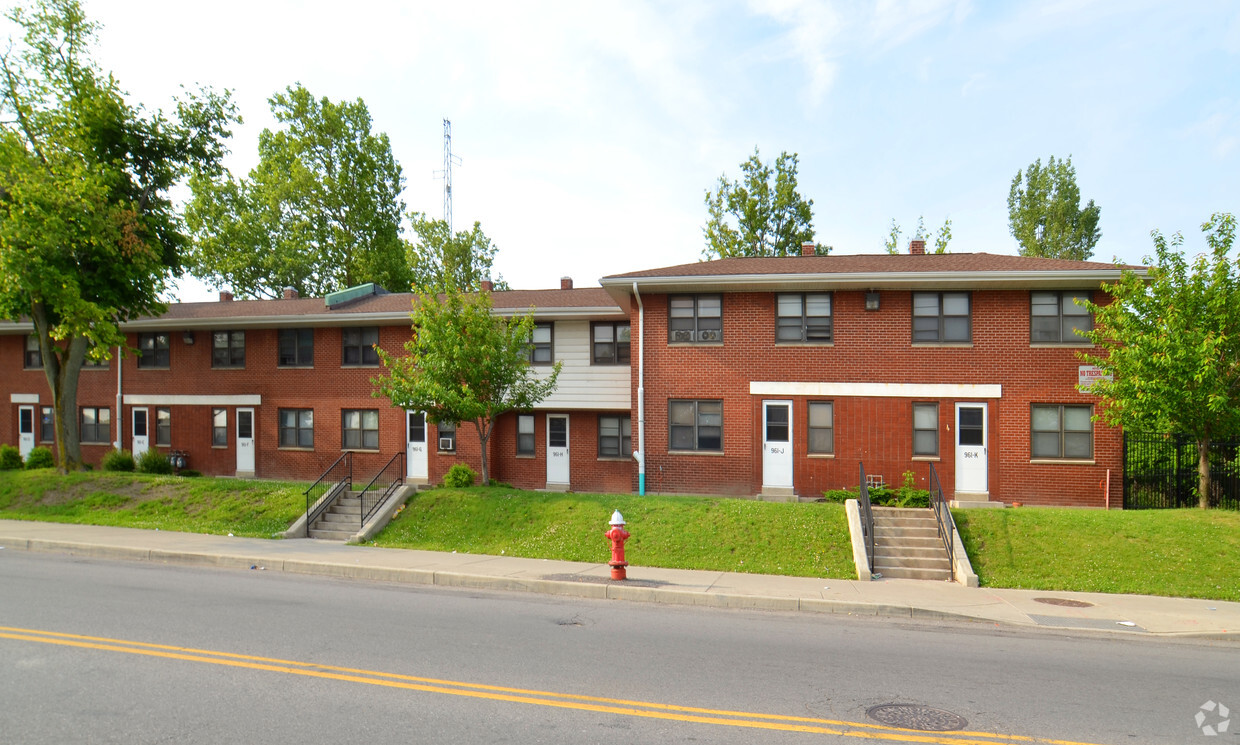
[941, 238]
[465, 364]
[1172, 344]
[89, 236]
[460, 260]
[761, 215]
[320, 212]
[1045, 213]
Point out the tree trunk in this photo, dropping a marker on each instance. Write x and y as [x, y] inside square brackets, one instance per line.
[484, 434]
[1203, 473]
[62, 367]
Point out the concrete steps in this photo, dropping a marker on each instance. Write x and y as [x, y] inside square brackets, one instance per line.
[341, 521]
[907, 545]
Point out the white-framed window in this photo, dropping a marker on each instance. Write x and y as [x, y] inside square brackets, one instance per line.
[1061, 431]
[163, 426]
[941, 317]
[615, 436]
[695, 425]
[803, 317]
[695, 318]
[219, 428]
[821, 427]
[296, 428]
[359, 429]
[34, 357]
[447, 437]
[1056, 317]
[610, 343]
[525, 434]
[542, 341]
[926, 429]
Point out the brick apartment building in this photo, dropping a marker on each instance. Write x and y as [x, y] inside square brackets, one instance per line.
[767, 376]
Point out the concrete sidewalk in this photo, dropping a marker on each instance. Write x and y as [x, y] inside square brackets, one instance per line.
[1127, 614]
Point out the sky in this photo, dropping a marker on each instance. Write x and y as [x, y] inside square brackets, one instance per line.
[588, 133]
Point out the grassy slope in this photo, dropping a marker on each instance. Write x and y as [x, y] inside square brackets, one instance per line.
[1179, 553]
[730, 535]
[200, 505]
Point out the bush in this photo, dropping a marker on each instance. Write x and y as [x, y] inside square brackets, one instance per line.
[117, 460]
[154, 461]
[190, 473]
[10, 458]
[460, 476]
[40, 458]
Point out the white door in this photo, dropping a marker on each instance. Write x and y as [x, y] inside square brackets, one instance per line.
[971, 448]
[141, 439]
[777, 444]
[25, 430]
[557, 449]
[416, 452]
[245, 441]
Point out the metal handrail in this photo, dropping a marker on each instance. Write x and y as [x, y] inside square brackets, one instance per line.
[943, 516]
[388, 486]
[867, 519]
[321, 493]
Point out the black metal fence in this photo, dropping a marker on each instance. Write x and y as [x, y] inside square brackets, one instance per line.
[943, 516]
[384, 483]
[336, 479]
[867, 518]
[1160, 472]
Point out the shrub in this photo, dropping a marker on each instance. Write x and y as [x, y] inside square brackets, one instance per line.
[40, 458]
[154, 461]
[117, 460]
[190, 473]
[460, 476]
[10, 458]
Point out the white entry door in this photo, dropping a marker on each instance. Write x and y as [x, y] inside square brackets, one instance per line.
[25, 430]
[245, 442]
[557, 449]
[416, 452]
[777, 444]
[141, 440]
[971, 448]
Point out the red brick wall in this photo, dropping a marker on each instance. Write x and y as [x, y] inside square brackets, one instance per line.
[869, 347]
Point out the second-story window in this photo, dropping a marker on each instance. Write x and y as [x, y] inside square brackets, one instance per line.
[804, 318]
[1056, 317]
[941, 317]
[541, 344]
[695, 318]
[359, 345]
[611, 343]
[34, 358]
[228, 349]
[296, 348]
[153, 350]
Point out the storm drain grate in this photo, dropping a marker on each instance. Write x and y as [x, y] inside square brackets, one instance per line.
[1064, 602]
[914, 716]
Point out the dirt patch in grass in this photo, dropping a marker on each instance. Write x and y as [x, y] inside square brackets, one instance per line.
[131, 492]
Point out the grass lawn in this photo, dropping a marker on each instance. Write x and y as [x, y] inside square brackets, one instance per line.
[731, 535]
[134, 500]
[1177, 553]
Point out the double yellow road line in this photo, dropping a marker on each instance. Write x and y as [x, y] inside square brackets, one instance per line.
[645, 709]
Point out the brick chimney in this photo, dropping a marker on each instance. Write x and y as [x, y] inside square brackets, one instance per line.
[917, 247]
[290, 293]
[566, 283]
[807, 248]
[225, 296]
[487, 285]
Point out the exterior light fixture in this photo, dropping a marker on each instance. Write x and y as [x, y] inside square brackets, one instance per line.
[871, 300]
[188, 338]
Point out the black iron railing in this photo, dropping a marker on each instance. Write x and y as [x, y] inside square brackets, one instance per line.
[867, 519]
[383, 484]
[1160, 472]
[335, 481]
[943, 516]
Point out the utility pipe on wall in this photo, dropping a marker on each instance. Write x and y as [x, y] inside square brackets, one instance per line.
[120, 420]
[640, 455]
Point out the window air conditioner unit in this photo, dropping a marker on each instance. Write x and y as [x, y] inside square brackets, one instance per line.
[447, 443]
[682, 336]
[711, 335]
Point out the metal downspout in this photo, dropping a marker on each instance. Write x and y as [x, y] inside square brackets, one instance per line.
[640, 455]
[120, 417]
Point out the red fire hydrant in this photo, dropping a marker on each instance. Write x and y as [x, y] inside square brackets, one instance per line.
[617, 535]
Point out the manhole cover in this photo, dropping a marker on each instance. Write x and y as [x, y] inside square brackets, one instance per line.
[1064, 602]
[912, 716]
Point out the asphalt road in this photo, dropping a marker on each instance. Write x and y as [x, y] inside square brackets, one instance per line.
[102, 652]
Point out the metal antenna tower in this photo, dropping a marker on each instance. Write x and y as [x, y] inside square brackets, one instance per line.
[446, 173]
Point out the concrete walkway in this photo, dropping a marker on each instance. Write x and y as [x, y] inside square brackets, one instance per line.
[914, 599]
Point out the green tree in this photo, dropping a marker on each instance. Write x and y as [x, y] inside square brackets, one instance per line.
[89, 236]
[460, 261]
[1045, 214]
[1171, 345]
[464, 364]
[941, 238]
[759, 216]
[320, 212]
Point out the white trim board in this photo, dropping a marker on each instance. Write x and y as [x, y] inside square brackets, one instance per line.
[876, 390]
[138, 399]
[24, 398]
